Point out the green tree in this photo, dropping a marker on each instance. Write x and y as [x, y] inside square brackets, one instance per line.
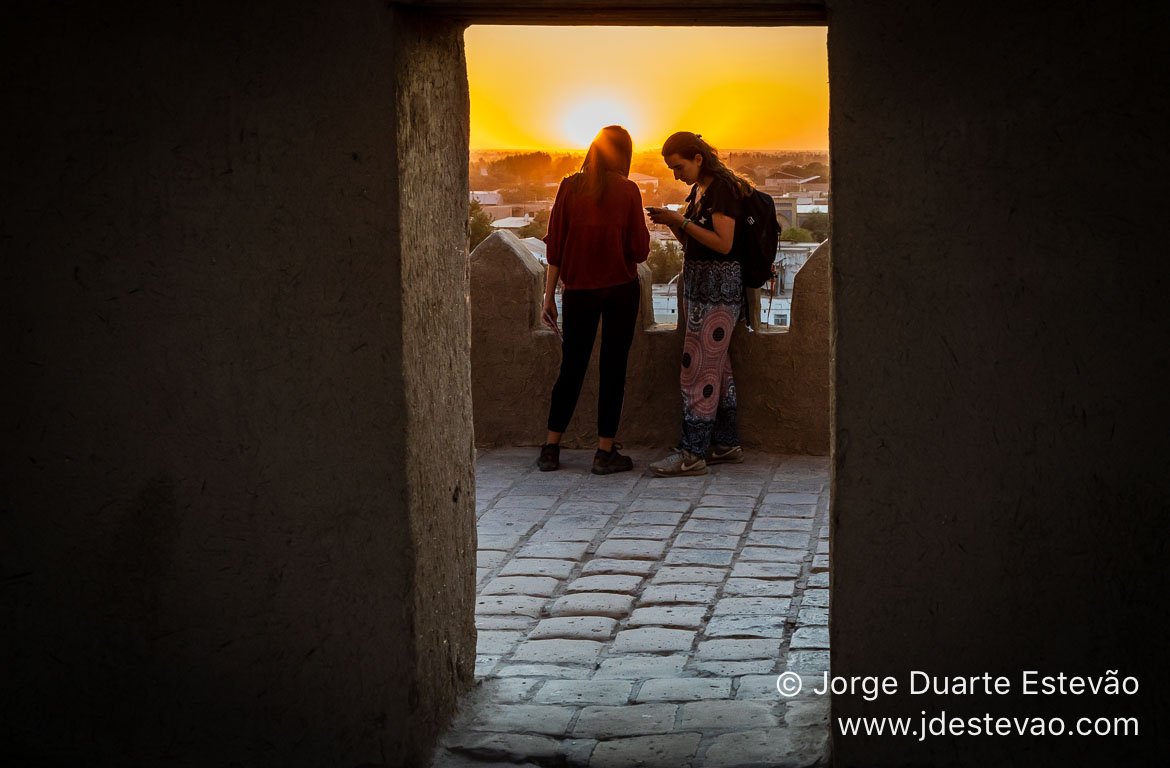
[797, 235]
[666, 260]
[479, 225]
[818, 225]
[537, 228]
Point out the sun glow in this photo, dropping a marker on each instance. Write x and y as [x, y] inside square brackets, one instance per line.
[554, 88]
[583, 119]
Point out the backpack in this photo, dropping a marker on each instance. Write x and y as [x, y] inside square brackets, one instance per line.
[757, 235]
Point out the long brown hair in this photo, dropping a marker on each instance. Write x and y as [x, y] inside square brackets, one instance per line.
[611, 151]
[687, 144]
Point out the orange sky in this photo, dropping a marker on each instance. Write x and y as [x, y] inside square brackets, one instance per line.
[742, 88]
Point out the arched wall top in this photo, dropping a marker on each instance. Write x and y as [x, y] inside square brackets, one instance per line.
[662, 13]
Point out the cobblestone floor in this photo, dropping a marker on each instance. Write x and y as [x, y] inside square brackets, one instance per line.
[630, 620]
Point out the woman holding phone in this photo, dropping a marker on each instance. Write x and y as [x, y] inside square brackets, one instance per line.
[596, 238]
[713, 296]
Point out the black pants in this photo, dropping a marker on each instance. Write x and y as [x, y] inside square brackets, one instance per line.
[617, 308]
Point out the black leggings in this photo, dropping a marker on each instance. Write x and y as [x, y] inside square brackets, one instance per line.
[617, 308]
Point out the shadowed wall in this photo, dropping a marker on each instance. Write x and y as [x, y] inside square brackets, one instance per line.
[1000, 467]
[225, 538]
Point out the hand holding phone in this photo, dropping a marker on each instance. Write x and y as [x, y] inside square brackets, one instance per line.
[551, 322]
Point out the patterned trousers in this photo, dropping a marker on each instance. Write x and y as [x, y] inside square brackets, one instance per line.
[713, 292]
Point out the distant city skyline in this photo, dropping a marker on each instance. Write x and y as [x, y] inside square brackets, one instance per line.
[551, 88]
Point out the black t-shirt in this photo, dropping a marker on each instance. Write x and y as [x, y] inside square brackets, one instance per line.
[719, 198]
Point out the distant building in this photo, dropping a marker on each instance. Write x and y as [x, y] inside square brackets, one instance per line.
[492, 197]
[512, 223]
[496, 212]
[781, 182]
[645, 182]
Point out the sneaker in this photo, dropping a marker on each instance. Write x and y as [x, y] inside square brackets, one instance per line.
[725, 454]
[680, 464]
[608, 462]
[550, 457]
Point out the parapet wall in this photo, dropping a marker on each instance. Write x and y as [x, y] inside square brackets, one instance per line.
[782, 376]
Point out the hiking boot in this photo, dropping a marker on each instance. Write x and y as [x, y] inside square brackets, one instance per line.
[550, 457]
[725, 454]
[680, 464]
[608, 462]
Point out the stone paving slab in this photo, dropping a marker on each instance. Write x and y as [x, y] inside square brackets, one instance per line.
[817, 597]
[605, 565]
[492, 621]
[521, 566]
[582, 692]
[593, 604]
[643, 620]
[811, 616]
[808, 662]
[731, 527]
[782, 524]
[738, 650]
[735, 668]
[749, 570]
[759, 587]
[688, 575]
[633, 549]
[810, 639]
[551, 535]
[566, 550]
[510, 605]
[642, 531]
[574, 628]
[609, 583]
[711, 557]
[669, 594]
[779, 747]
[652, 518]
[753, 606]
[641, 667]
[537, 586]
[772, 555]
[542, 670]
[684, 616]
[746, 626]
[722, 513]
[631, 720]
[727, 715]
[559, 651]
[684, 689]
[706, 541]
[653, 640]
[665, 751]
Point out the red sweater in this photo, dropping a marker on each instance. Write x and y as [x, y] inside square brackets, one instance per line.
[597, 245]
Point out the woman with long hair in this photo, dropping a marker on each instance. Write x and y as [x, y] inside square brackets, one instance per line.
[713, 298]
[596, 238]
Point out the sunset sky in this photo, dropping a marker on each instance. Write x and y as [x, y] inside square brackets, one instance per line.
[554, 87]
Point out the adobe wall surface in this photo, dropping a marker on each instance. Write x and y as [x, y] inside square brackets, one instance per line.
[214, 530]
[782, 378]
[1000, 467]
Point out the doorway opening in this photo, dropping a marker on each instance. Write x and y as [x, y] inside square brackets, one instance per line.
[628, 617]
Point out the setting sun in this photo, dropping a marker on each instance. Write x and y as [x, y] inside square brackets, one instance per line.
[553, 88]
[582, 120]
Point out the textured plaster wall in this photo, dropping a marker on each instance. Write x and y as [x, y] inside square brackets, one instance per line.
[217, 546]
[1000, 463]
[436, 340]
[782, 378]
